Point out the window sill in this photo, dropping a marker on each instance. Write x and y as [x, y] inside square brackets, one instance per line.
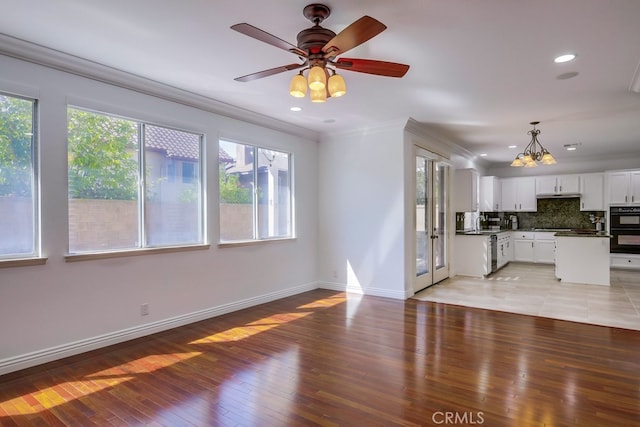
[132, 252]
[25, 262]
[253, 242]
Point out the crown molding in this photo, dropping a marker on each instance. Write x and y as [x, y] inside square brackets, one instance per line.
[50, 58]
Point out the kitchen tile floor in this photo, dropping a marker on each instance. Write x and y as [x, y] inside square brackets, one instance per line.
[533, 289]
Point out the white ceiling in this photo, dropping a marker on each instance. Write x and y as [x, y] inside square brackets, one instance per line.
[480, 70]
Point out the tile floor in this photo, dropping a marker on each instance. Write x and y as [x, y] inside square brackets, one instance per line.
[532, 289]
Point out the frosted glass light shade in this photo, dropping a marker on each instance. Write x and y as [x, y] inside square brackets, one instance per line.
[298, 86]
[318, 95]
[317, 78]
[337, 86]
[517, 162]
[548, 159]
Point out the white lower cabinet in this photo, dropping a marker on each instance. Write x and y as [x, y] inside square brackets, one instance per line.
[544, 247]
[629, 261]
[523, 242]
[530, 246]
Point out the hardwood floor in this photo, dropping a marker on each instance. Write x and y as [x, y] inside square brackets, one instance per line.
[325, 358]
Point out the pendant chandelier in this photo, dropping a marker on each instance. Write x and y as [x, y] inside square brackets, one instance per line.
[534, 152]
[320, 85]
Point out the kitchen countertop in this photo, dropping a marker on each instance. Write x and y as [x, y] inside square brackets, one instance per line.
[579, 233]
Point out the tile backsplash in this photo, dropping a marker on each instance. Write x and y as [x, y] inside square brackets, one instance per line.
[554, 213]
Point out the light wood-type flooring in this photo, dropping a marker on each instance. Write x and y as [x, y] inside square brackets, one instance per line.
[533, 289]
[328, 358]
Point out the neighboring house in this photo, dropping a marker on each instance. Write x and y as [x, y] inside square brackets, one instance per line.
[173, 161]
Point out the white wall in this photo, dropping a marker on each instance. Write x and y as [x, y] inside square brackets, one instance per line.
[362, 212]
[62, 308]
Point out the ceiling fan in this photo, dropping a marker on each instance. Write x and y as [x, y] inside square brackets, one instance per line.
[319, 48]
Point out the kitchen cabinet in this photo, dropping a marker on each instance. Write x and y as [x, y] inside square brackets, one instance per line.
[544, 247]
[523, 243]
[466, 194]
[592, 192]
[472, 255]
[490, 194]
[557, 185]
[519, 194]
[627, 261]
[538, 247]
[583, 260]
[624, 187]
[504, 249]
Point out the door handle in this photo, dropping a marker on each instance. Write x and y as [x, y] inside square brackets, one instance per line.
[434, 236]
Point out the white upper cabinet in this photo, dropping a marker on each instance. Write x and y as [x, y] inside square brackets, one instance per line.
[592, 194]
[624, 188]
[466, 186]
[519, 194]
[557, 185]
[490, 194]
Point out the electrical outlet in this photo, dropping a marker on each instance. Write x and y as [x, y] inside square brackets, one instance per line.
[144, 309]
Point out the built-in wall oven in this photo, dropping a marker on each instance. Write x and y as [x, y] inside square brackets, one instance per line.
[624, 225]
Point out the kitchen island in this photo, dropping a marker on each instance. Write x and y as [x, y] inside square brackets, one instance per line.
[583, 257]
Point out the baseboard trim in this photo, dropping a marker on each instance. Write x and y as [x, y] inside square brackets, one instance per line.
[378, 292]
[39, 357]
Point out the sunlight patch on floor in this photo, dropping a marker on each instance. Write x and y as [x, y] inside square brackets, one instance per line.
[62, 393]
[253, 328]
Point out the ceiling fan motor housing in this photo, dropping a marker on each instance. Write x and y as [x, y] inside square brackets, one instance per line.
[313, 39]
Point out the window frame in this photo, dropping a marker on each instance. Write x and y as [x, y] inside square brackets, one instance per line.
[144, 247]
[255, 196]
[35, 257]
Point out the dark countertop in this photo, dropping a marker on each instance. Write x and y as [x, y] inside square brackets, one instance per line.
[574, 233]
[480, 232]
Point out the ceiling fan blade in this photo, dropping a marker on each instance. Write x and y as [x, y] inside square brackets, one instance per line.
[370, 66]
[354, 35]
[269, 72]
[263, 36]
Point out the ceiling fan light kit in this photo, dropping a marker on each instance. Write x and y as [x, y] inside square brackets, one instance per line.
[534, 152]
[318, 47]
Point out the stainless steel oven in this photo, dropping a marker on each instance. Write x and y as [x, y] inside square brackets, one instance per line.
[625, 229]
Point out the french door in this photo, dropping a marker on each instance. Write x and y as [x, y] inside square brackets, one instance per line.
[431, 246]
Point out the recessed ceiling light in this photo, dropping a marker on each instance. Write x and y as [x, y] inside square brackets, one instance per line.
[565, 58]
[296, 109]
[512, 146]
[572, 147]
[483, 155]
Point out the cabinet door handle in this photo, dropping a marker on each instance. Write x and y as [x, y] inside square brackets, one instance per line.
[625, 198]
[531, 244]
[555, 189]
[582, 205]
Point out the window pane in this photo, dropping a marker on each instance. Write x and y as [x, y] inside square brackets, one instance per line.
[236, 191]
[17, 183]
[172, 206]
[103, 182]
[274, 209]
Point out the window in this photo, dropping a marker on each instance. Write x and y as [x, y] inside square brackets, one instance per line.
[255, 193]
[110, 206]
[18, 180]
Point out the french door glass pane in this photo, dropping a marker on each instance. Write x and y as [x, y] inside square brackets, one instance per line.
[422, 235]
[439, 189]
